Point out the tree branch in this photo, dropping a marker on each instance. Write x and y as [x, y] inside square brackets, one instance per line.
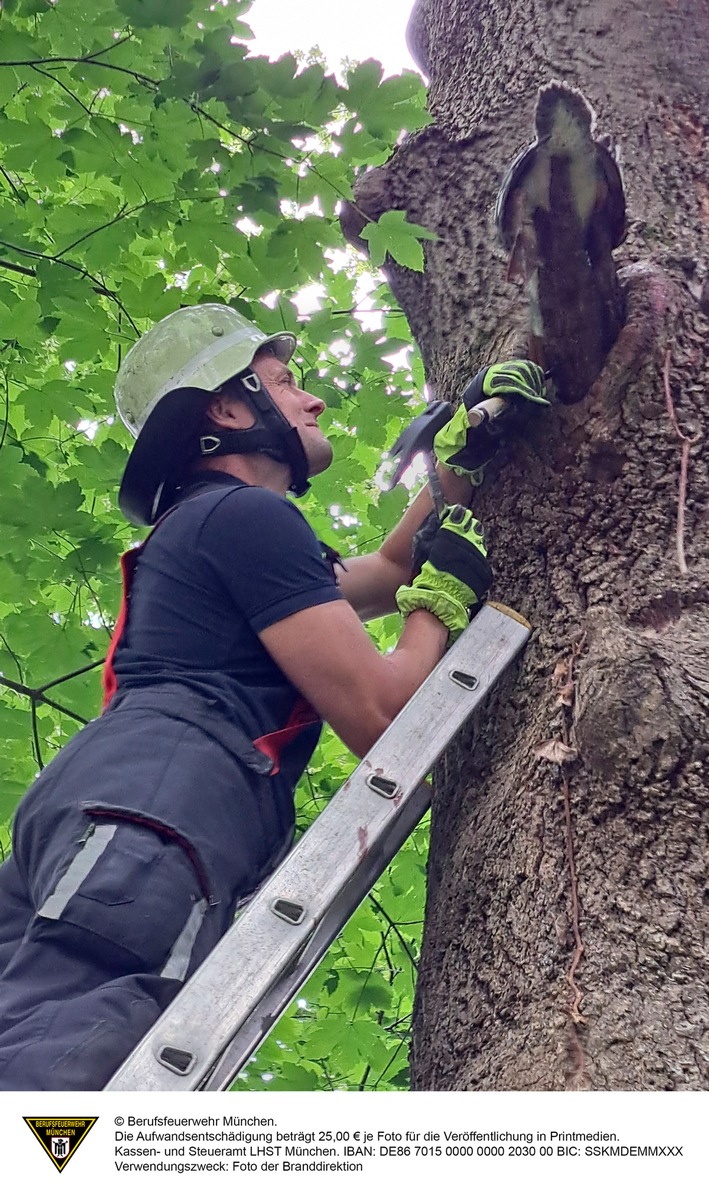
[13, 185]
[49, 75]
[9, 266]
[100, 285]
[12, 654]
[37, 696]
[382, 1073]
[154, 85]
[71, 675]
[6, 418]
[119, 42]
[395, 928]
[370, 972]
[88, 60]
[35, 738]
[122, 212]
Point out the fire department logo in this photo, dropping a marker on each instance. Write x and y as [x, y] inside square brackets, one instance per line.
[60, 1137]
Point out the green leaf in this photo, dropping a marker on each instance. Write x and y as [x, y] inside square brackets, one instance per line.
[144, 14]
[392, 234]
[363, 79]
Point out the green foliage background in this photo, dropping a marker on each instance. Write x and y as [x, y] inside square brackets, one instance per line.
[148, 161]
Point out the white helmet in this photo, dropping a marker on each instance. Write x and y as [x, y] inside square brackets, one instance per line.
[162, 390]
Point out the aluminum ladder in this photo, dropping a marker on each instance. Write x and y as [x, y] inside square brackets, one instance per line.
[230, 1004]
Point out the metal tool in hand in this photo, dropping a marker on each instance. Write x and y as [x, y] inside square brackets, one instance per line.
[418, 437]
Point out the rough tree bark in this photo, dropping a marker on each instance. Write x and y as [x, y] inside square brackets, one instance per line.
[565, 926]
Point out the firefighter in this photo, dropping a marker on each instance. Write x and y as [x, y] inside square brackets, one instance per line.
[238, 634]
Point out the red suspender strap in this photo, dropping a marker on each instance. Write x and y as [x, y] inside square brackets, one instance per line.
[129, 562]
[302, 715]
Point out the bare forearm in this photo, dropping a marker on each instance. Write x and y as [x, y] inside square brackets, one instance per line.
[333, 662]
[395, 679]
[369, 583]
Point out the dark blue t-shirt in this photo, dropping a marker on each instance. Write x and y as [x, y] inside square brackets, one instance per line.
[222, 566]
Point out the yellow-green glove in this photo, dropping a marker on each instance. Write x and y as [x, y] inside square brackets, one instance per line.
[456, 575]
[466, 451]
[517, 378]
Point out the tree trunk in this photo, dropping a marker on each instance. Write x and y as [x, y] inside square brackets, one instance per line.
[565, 933]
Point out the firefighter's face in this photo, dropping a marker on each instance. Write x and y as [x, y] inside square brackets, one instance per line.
[300, 408]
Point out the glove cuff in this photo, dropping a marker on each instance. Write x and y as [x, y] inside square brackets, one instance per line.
[449, 610]
[474, 476]
[463, 566]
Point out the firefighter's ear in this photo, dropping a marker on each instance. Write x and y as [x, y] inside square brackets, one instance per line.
[228, 412]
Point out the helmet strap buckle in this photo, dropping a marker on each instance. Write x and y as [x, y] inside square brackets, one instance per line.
[208, 444]
[251, 381]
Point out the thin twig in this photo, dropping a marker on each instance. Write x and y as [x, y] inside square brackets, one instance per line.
[38, 697]
[365, 1077]
[687, 444]
[153, 84]
[62, 262]
[72, 675]
[395, 928]
[63, 86]
[59, 61]
[35, 738]
[120, 216]
[106, 50]
[84, 576]
[12, 654]
[575, 923]
[390, 966]
[368, 976]
[402, 1042]
[10, 266]
[13, 185]
[579, 948]
[6, 418]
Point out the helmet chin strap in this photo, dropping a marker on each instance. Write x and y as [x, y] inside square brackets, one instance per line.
[271, 434]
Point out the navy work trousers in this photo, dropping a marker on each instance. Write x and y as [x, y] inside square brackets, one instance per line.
[130, 854]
